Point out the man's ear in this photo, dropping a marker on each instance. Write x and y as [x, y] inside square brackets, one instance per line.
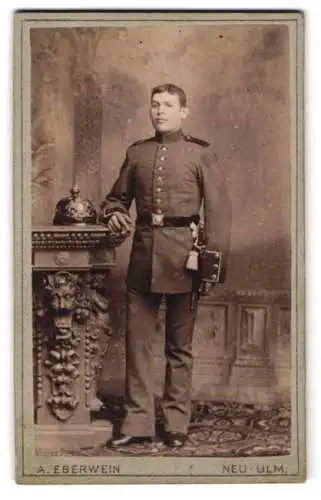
[184, 112]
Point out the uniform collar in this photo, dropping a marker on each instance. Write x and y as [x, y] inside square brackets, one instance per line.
[170, 137]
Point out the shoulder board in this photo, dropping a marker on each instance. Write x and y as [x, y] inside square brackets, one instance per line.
[190, 138]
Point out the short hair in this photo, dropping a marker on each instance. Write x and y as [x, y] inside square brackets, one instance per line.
[171, 89]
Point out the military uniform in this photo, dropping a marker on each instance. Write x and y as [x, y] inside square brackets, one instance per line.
[169, 176]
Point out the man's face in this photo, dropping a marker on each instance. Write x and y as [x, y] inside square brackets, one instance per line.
[166, 112]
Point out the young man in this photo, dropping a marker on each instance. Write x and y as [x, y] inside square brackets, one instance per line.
[169, 175]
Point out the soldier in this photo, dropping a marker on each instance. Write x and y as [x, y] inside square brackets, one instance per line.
[169, 175]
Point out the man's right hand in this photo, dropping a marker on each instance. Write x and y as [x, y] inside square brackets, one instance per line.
[120, 223]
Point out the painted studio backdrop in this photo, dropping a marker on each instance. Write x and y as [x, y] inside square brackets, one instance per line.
[90, 97]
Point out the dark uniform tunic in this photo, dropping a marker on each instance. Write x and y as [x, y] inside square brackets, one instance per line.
[168, 176]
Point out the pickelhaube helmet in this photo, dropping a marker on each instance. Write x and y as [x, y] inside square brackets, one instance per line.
[74, 210]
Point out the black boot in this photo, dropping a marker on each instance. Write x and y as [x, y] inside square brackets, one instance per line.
[127, 441]
[175, 439]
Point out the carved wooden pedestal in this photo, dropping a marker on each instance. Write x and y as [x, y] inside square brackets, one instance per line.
[71, 331]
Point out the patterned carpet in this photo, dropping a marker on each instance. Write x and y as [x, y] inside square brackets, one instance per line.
[216, 430]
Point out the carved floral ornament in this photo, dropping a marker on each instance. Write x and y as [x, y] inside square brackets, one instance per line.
[72, 315]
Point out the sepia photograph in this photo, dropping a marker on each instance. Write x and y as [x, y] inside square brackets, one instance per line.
[159, 247]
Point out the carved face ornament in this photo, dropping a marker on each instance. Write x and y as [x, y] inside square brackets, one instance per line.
[63, 291]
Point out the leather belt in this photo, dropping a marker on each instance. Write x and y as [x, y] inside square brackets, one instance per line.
[160, 220]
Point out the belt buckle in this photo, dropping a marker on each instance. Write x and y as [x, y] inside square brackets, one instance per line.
[157, 220]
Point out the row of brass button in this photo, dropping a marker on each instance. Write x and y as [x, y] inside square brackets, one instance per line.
[159, 180]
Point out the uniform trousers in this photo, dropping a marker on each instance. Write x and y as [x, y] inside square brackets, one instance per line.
[142, 311]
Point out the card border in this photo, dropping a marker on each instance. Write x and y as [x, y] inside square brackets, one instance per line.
[25, 19]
